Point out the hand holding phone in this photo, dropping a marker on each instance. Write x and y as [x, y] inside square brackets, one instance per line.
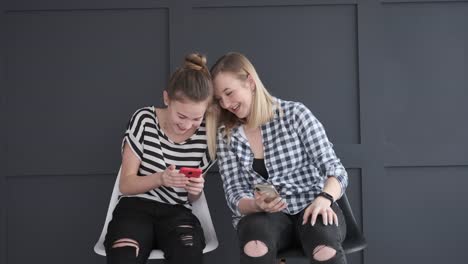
[268, 190]
[191, 172]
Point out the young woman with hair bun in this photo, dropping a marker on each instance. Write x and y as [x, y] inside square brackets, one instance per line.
[154, 210]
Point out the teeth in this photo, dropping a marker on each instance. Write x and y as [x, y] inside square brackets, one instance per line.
[235, 108]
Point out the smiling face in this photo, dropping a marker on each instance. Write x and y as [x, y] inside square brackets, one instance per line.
[184, 116]
[234, 94]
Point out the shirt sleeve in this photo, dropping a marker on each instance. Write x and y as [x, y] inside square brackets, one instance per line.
[134, 134]
[235, 185]
[317, 145]
[206, 162]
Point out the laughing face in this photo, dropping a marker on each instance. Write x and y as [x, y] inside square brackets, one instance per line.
[233, 94]
[185, 116]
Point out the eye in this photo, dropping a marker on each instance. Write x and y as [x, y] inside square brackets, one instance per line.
[229, 93]
[182, 117]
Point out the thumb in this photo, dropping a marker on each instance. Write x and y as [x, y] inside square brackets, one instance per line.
[171, 167]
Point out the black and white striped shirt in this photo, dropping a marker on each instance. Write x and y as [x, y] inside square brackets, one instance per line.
[156, 152]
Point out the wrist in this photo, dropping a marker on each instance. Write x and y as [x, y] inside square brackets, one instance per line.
[158, 179]
[327, 196]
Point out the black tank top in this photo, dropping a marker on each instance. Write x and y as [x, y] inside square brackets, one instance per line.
[259, 167]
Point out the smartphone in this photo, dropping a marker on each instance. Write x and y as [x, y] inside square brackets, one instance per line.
[191, 172]
[269, 189]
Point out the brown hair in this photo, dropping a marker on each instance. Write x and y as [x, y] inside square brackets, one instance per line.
[191, 81]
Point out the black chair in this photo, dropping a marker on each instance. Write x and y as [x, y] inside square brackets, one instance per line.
[353, 242]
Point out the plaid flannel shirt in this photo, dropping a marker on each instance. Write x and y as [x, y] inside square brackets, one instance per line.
[298, 157]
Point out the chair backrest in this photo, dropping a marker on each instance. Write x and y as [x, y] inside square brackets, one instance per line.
[199, 208]
[353, 242]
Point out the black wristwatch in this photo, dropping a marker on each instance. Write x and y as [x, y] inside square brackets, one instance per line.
[327, 196]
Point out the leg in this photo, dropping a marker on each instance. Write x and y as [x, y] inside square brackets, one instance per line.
[180, 236]
[129, 234]
[261, 235]
[322, 243]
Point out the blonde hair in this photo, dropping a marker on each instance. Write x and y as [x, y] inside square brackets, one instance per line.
[263, 104]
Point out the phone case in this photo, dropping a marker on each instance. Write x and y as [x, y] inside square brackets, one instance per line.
[191, 172]
[269, 189]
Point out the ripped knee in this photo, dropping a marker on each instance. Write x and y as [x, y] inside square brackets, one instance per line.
[186, 238]
[255, 248]
[323, 253]
[127, 242]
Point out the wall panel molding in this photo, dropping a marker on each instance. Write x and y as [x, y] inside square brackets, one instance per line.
[419, 1]
[269, 3]
[425, 155]
[3, 136]
[31, 5]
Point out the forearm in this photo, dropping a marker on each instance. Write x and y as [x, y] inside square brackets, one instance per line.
[333, 187]
[133, 184]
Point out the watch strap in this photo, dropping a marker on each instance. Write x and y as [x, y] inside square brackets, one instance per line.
[327, 196]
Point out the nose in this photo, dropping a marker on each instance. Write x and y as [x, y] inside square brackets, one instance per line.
[224, 103]
[185, 125]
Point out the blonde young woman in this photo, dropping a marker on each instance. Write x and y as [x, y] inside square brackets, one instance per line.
[266, 140]
[155, 208]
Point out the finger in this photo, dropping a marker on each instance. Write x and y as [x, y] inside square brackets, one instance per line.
[324, 217]
[285, 205]
[306, 216]
[336, 219]
[277, 205]
[331, 217]
[197, 180]
[257, 195]
[193, 190]
[195, 186]
[315, 213]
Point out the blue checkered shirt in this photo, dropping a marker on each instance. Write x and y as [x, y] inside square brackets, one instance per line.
[298, 157]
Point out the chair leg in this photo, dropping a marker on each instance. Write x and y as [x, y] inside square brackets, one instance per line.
[282, 261]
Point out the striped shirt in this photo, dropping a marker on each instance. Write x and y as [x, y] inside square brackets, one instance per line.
[156, 152]
[298, 158]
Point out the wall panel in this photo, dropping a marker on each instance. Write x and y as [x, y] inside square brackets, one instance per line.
[425, 75]
[56, 218]
[425, 212]
[324, 39]
[73, 76]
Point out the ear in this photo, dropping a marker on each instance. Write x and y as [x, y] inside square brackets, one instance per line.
[166, 98]
[251, 83]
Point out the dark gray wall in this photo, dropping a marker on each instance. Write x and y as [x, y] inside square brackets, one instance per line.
[387, 78]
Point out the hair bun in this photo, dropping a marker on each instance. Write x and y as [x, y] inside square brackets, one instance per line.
[195, 61]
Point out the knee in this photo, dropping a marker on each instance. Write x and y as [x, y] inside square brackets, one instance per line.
[323, 253]
[187, 236]
[255, 248]
[127, 242]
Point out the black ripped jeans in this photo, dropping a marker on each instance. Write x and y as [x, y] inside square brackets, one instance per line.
[172, 228]
[281, 231]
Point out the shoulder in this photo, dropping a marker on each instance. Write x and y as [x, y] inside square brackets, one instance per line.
[143, 115]
[292, 109]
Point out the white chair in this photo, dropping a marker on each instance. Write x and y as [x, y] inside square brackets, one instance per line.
[199, 208]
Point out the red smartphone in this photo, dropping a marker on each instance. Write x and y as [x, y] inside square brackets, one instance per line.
[191, 172]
